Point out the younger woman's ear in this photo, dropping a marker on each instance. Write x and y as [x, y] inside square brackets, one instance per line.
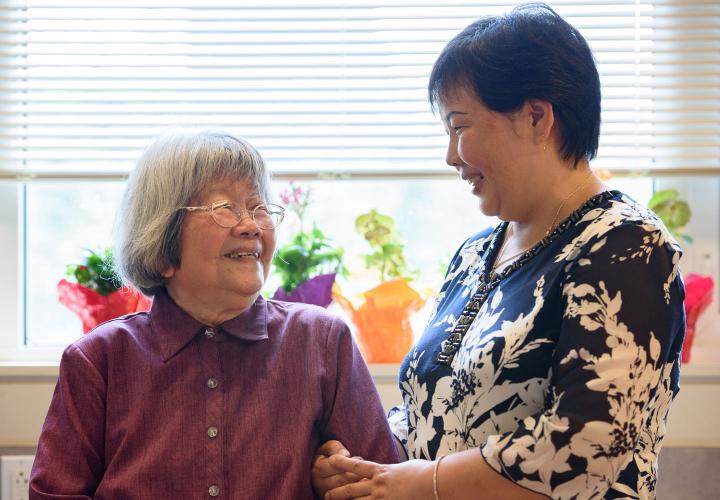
[542, 117]
[536, 114]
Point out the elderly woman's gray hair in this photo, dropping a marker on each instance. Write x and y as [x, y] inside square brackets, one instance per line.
[171, 172]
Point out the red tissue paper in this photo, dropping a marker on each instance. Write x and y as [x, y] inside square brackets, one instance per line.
[698, 295]
[93, 308]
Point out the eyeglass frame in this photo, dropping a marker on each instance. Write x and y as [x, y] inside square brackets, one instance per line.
[239, 215]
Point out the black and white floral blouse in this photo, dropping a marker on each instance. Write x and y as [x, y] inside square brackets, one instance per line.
[565, 376]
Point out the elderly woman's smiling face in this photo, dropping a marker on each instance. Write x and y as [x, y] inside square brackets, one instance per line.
[222, 269]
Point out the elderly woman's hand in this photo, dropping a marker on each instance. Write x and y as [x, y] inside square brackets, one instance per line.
[326, 477]
[410, 480]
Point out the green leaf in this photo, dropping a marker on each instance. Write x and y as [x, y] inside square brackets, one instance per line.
[662, 197]
[386, 245]
[674, 212]
[375, 227]
[679, 214]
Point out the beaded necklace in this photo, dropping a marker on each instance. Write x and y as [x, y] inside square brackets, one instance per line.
[488, 281]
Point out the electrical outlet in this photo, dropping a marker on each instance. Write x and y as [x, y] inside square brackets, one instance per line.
[15, 476]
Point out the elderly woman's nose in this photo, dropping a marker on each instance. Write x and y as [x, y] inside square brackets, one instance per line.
[246, 225]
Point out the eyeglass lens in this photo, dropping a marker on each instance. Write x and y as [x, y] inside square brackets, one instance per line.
[227, 216]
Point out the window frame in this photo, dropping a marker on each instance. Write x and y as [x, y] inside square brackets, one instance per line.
[12, 292]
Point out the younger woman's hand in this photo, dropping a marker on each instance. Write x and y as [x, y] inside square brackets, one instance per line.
[411, 480]
[324, 475]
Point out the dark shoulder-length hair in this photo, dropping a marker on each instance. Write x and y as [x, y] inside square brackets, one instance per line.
[529, 53]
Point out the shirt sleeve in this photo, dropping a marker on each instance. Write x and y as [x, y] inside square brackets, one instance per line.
[616, 360]
[355, 415]
[69, 459]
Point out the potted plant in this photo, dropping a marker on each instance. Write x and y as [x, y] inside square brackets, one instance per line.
[308, 264]
[675, 214]
[382, 315]
[93, 293]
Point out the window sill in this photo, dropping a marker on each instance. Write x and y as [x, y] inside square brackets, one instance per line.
[28, 371]
[704, 367]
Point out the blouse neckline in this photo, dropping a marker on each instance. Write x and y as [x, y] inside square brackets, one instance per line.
[565, 224]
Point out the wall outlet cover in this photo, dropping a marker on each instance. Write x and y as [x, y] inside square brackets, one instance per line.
[15, 476]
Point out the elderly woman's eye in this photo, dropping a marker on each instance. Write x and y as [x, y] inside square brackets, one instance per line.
[222, 204]
[225, 207]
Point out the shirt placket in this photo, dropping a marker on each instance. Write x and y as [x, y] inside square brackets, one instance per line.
[214, 390]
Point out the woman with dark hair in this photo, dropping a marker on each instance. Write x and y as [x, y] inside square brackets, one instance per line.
[553, 354]
[215, 392]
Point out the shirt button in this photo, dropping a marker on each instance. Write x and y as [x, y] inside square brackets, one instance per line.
[209, 333]
[212, 383]
[214, 490]
[212, 431]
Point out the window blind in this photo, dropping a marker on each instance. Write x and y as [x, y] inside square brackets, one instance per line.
[323, 87]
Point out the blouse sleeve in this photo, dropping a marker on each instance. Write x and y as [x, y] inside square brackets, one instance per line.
[615, 369]
[69, 459]
[398, 420]
[355, 415]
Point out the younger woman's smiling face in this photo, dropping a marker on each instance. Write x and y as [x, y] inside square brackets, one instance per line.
[490, 150]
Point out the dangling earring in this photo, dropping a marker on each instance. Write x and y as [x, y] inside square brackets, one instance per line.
[544, 146]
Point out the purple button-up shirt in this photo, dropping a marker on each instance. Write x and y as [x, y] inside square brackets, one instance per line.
[158, 406]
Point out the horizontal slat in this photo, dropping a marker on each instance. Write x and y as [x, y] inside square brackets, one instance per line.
[301, 142]
[373, 64]
[310, 4]
[296, 110]
[216, 50]
[601, 26]
[380, 41]
[354, 173]
[692, 89]
[430, 152]
[561, 5]
[639, 120]
[198, 85]
[189, 68]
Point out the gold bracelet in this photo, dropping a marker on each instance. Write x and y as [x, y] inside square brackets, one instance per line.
[435, 472]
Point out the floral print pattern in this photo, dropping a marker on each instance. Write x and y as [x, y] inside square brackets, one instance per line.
[565, 378]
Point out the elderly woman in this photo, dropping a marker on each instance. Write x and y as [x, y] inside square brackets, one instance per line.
[215, 392]
[553, 354]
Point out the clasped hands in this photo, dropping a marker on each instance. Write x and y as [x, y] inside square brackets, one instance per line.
[338, 475]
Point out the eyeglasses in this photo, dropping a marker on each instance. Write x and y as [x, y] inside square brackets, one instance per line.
[224, 213]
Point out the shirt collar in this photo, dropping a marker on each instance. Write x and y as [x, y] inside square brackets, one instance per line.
[174, 328]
